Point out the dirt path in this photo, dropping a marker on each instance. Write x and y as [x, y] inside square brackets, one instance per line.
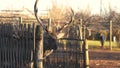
[101, 58]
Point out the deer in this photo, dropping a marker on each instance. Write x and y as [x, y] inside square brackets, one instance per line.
[53, 37]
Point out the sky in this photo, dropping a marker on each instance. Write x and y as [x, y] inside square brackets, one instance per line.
[94, 5]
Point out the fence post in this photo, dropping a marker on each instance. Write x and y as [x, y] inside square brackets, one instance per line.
[111, 35]
[84, 34]
[81, 29]
[49, 25]
[38, 55]
[20, 19]
[86, 55]
[81, 36]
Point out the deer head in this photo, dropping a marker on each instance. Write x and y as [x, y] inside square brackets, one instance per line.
[50, 41]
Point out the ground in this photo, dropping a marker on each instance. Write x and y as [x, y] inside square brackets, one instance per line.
[104, 58]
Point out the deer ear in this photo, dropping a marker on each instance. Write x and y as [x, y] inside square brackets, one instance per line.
[60, 35]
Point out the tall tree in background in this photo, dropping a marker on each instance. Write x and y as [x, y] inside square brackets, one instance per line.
[59, 14]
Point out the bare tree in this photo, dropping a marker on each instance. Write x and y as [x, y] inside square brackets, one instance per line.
[60, 15]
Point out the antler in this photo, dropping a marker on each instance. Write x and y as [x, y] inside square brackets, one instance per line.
[40, 21]
[53, 35]
[36, 15]
[68, 23]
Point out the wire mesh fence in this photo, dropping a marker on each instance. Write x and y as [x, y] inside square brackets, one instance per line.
[66, 56]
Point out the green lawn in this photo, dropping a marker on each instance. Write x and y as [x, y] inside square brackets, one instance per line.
[96, 43]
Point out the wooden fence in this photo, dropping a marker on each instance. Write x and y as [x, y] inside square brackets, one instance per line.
[17, 47]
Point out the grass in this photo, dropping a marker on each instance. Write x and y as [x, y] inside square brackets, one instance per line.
[96, 43]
